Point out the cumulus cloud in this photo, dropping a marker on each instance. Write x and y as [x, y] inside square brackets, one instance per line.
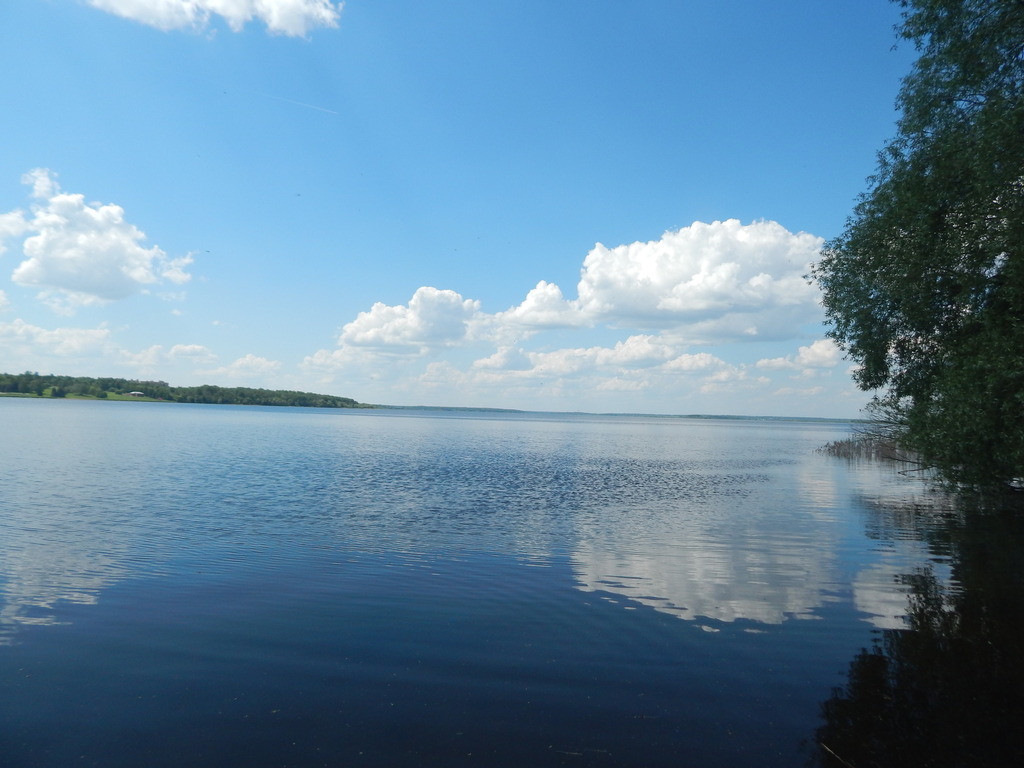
[505, 359]
[720, 267]
[640, 351]
[12, 225]
[823, 353]
[646, 306]
[81, 253]
[433, 318]
[706, 283]
[729, 378]
[285, 17]
[702, 361]
[545, 307]
[724, 272]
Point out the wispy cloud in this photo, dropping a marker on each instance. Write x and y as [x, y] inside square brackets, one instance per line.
[296, 103]
[18, 339]
[248, 367]
[285, 17]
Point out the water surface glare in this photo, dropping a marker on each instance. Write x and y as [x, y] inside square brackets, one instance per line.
[218, 585]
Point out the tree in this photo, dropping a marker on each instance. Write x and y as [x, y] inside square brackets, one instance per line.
[924, 289]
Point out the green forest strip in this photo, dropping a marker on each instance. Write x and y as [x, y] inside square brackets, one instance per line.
[30, 384]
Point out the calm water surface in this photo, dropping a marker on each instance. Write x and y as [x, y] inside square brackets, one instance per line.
[207, 585]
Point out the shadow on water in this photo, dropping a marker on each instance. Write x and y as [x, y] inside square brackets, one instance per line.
[947, 690]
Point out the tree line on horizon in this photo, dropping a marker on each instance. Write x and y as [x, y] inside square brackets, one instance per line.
[51, 385]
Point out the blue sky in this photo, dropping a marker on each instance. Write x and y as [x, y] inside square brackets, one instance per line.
[598, 206]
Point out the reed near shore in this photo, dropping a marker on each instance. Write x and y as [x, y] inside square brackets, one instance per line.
[867, 447]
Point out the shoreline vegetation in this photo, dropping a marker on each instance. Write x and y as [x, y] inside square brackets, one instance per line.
[868, 447]
[31, 384]
[50, 386]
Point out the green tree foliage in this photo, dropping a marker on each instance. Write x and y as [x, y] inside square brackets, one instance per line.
[247, 396]
[925, 287]
[84, 386]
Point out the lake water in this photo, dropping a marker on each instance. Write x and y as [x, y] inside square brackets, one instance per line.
[217, 585]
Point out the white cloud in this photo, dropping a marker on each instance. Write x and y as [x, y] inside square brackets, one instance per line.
[822, 353]
[433, 318]
[579, 378]
[324, 360]
[775, 363]
[156, 358]
[643, 307]
[545, 307]
[43, 181]
[19, 337]
[81, 253]
[701, 284]
[505, 359]
[92, 352]
[702, 361]
[12, 224]
[633, 364]
[248, 367]
[622, 384]
[286, 17]
[722, 275]
[148, 359]
[640, 351]
[727, 378]
[194, 352]
[799, 392]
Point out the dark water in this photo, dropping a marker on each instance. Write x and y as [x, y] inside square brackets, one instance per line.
[206, 585]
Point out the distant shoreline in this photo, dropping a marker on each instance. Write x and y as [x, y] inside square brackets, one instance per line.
[32, 385]
[694, 416]
[52, 386]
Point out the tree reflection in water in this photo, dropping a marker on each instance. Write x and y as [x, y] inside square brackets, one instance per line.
[949, 689]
